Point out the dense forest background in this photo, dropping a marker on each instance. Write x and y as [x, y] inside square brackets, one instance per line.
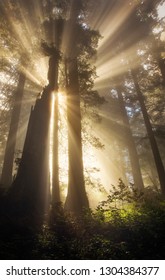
[82, 119]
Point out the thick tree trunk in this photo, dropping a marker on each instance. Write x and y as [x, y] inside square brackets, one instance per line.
[130, 143]
[154, 146]
[6, 178]
[76, 198]
[31, 188]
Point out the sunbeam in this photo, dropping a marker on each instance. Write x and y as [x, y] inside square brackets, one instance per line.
[82, 134]
[116, 18]
[28, 32]
[51, 129]
[62, 144]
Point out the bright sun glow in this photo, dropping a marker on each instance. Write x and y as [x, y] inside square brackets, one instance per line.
[99, 166]
[62, 145]
[92, 164]
[51, 142]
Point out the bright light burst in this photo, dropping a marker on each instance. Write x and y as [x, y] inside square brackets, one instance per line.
[63, 138]
[92, 164]
[108, 20]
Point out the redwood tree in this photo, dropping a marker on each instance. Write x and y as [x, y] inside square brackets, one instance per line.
[80, 46]
[130, 143]
[154, 146]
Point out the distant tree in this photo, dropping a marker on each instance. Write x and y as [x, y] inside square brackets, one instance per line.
[12, 53]
[154, 146]
[130, 143]
[7, 170]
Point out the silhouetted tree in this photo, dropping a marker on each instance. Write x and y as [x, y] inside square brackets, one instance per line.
[84, 47]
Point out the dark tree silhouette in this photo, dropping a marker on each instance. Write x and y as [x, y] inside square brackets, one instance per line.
[7, 177]
[30, 189]
[76, 198]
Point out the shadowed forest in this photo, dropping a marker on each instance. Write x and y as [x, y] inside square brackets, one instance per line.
[82, 121]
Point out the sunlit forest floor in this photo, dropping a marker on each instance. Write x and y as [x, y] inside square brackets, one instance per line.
[134, 230]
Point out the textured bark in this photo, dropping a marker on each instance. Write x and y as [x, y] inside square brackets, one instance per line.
[76, 198]
[130, 143]
[31, 185]
[154, 146]
[6, 178]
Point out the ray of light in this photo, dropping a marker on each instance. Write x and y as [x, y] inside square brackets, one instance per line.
[92, 164]
[110, 170]
[108, 17]
[112, 23]
[36, 77]
[51, 141]
[16, 27]
[63, 149]
[63, 139]
[108, 21]
[107, 69]
[25, 34]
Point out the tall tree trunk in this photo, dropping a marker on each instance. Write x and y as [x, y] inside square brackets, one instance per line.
[55, 184]
[76, 198]
[6, 178]
[154, 146]
[30, 189]
[53, 85]
[130, 143]
[32, 183]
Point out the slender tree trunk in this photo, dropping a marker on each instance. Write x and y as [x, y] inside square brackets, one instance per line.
[6, 178]
[130, 143]
[161, 63]
[76, 198]
[55, 184]
[154, 146]
[53, 85]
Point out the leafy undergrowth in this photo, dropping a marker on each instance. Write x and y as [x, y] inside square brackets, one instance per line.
[133, 228]
[131, 234]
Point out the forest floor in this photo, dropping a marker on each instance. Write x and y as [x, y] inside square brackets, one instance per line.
[133, 233]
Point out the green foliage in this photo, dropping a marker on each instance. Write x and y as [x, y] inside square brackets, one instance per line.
[134, 231]
[127, 235]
